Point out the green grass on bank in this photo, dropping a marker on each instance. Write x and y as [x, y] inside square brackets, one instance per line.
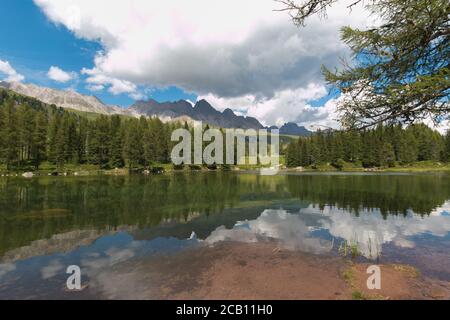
[47, 168]
[421, 166]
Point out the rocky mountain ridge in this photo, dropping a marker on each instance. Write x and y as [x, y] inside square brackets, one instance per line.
[166, 111]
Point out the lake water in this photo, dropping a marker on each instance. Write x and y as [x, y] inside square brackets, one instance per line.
[107, 225]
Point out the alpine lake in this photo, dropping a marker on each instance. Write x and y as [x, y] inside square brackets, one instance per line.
[218, 234]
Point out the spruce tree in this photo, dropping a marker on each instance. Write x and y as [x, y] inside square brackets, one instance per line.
[10, 139]
[116, 141]
[401, 66]
[133, 148]
[38, 149]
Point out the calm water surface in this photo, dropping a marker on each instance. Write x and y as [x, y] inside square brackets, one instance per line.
[105, 224]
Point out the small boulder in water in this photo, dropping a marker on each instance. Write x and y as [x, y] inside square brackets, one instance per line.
[28, 175]
[193, 236]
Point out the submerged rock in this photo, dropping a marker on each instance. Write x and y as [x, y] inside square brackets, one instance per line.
[28, 175]
[193, 236]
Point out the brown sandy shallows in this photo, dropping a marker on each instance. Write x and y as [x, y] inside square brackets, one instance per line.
[397, 282]
[262, 271]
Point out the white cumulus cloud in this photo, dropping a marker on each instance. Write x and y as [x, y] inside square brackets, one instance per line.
[370, 230]
[227, 49]
[11, 74]
[288, 229]
[289, 105]
[95, 87]
[59, 75]
[97, 81]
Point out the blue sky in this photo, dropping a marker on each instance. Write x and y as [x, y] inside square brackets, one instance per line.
[32, 44]
[243, 55]
[260, 65]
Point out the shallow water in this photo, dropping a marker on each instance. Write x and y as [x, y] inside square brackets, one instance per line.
[109, 226]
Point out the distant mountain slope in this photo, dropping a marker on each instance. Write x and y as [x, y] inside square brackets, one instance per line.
[202, 111]
[6, 94]
[294, 129]
[181, 110]
[63, 98]
[164, 109]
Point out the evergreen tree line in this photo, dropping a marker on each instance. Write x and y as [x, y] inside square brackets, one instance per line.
[384, 146]
[31, 134]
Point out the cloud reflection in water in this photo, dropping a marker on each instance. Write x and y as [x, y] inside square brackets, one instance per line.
[369, 230]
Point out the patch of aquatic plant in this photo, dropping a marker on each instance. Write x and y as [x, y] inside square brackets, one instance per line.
[376, 248]
[349, 248]
[349, 276]
[409, 270]
[358, 295]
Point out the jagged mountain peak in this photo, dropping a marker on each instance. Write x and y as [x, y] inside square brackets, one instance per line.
[67, 98]
[291, 128]
[166, 111]
[201, 111]
[229, 112]
[204, 106]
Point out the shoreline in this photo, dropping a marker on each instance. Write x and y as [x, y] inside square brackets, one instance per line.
[125, 172]
[264, 271]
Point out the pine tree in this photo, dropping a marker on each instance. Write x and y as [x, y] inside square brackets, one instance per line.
[337, 147]
[387, 155]
[292, 155]
[10, 139]
[52, 133]
[25, 127]
[59, 146]
[115, 147]
[83, 130]
[352, 146]
[446, 152]
[70, 138]
[38, 149]
[407, 150]
[133, 147]
[99, 142]
[401, 66]
[150, 143]
[429, 142]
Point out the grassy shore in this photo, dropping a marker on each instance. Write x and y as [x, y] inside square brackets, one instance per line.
[423, 166]
[88, 169]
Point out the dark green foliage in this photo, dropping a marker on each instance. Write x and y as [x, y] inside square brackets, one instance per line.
[178, 167]
[116, 159]
[98, 141]
[400, 69]
[338, 164]
[379, 147]
[446, 151]
[39, 143]
[292, 155]
[32, 132]
[9, 143]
